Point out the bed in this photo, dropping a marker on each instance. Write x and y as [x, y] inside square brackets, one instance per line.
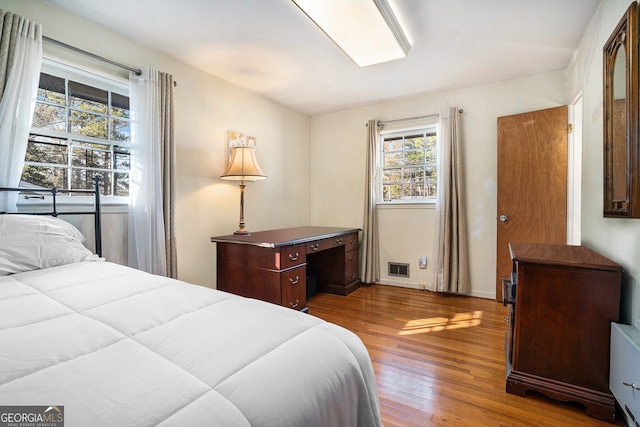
[113, 345]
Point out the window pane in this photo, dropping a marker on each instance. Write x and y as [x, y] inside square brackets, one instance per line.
[392, 159]
[392, 144]
[119, 105]
[88, 98]
[51, 89]
[45, 177]
[120, 130]
[121, 158]
[431, 145]
[392, 191]
[43, 149]
[431, 155]
[105, 183]
[413, 175]
[82, 179]
[412, 191]
[414, 142]
[88, 124]
[91, 155]
[392, 175]
[431, 183]
[120, 184]
[414, 157]
[49, 117]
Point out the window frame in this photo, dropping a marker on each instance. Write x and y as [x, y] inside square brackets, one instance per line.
[424, 128]
[113, 84]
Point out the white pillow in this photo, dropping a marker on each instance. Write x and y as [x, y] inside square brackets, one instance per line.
[31, 242]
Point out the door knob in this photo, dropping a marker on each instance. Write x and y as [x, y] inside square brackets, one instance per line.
[503, 218]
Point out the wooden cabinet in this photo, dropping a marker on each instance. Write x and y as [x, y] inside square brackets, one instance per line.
[558, 333]
[272, 265]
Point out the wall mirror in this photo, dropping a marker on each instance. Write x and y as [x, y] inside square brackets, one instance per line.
[621, 159]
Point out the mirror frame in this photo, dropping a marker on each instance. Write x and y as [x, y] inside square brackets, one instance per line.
[624, 36]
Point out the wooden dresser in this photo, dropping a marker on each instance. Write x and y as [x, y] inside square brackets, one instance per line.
[558, 334]
[272, 265]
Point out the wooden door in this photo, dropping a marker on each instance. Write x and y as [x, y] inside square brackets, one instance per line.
[532, 182]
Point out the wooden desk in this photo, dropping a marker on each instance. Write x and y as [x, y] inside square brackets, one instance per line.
[272, 265]
[558, 334]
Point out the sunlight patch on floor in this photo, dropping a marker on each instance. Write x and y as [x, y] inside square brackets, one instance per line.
[436, 324]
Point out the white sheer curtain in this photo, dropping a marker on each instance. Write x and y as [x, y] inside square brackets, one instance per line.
[450, 271]
[146, 220]
[18, 99]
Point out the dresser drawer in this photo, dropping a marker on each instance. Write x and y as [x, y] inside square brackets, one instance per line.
[294, 288]
[290, 256]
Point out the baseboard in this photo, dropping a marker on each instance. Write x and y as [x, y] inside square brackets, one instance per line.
[422, 286]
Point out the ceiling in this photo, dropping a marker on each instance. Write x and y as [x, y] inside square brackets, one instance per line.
[272, 48]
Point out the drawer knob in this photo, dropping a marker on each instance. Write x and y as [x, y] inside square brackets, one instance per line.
[632, 385]
[353, 258]
[340, 241]
[294, 304]
[353, 275]
[315, 246]
[294, 281]
[293, 257]
[353, 242]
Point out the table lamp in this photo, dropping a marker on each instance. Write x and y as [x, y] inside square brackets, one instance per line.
[243, 167]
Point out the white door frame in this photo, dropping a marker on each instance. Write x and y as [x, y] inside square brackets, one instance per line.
[574, 172]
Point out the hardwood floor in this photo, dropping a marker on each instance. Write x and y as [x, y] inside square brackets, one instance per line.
[439, 360]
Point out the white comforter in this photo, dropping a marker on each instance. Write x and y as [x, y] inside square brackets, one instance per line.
[119, 347]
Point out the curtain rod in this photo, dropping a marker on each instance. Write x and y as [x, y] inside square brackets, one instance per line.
[428, 116]
[92, 55]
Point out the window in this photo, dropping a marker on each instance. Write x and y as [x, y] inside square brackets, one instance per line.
[81, 126]
[408, 171]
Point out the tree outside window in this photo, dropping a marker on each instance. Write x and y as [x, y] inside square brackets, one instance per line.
[78, 130]
[409, 166]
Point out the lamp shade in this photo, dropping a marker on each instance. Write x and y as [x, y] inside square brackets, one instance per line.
[243, 165]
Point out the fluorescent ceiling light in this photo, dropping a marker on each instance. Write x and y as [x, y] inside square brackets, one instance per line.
[366, 30]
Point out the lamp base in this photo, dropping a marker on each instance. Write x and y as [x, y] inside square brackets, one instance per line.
[242, 233]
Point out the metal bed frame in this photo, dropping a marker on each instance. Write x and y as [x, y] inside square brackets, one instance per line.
[96, 212]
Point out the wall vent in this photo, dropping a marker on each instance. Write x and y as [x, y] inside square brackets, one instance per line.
[398, 269]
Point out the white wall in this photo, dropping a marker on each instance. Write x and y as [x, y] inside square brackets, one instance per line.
[206, 107]
[338, 147]
[617, 239]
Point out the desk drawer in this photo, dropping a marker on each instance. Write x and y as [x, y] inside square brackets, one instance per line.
[323, 244]
[290, 256]
[351, 267]
[351, 242]
[294, 288]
